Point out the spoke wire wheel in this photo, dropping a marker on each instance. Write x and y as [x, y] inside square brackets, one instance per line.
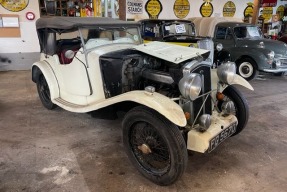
[149, 148]
[154, 145]
[246, 69]
[44, 89]
[44, 93]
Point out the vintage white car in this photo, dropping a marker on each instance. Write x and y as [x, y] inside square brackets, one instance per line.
[175, 100]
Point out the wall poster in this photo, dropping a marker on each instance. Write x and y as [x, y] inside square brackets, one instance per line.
[153, 8]
[181, 8]
[280, 11]
[206, 9]
[229, 9]
[135, 6]
[248, 11]
[14, 5]
[267, 13]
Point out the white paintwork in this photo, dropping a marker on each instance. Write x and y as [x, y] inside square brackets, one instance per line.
[50, 78]
[198, 141]
[72, 78]
[156, 101]
[241, 81]
[170, 52]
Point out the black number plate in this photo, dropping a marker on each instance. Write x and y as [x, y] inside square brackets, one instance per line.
[215, 141]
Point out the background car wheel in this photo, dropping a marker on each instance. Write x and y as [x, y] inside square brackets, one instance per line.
[241, 106]
[44, 93]
[154, 145]
[247, 68]
[280, 74]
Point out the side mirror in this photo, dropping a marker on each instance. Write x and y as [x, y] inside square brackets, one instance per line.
[69, 54]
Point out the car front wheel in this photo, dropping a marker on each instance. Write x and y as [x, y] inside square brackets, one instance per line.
[154, 145]
[247, 69]
[44, 93]
[240, 104]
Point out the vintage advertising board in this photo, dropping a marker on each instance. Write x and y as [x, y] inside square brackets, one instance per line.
[229, 9]
[135, 6]
[181, 8]
[267, 13]
[206, 9]
[14, 5]
[153, 8]
[248, 11]
[280, 11]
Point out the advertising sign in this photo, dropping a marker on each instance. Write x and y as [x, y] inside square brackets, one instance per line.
[135, 6]
[14, 5]
[181, 8]
[206, 10]
[229, 9]
[153, 8]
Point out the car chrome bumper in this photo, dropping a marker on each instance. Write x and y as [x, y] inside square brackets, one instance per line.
[275, 70]
[201, 141]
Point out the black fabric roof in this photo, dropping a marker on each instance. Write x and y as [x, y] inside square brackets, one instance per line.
[70, 23]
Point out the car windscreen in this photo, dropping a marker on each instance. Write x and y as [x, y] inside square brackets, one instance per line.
[248, 32]
[178, 29]
[94, 37]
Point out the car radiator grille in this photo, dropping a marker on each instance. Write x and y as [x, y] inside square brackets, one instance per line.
[204, 71]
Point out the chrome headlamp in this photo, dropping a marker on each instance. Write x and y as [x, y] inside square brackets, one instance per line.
[190, 86]
[226, 72]
[271, 55]
[219, 47]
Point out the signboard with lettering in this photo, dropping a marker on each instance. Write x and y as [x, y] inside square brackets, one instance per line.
[14, 5]
[206, 9]
[153, 8]
[268, 3]
[267, 13]
[181, 8]
[280, 11]
[248, 11]
[229, 9]
[135, 6]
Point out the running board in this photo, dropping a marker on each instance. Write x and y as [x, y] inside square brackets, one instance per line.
[63, 103]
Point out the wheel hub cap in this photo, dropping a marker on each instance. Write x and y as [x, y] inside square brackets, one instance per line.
[145, 149]
[245, 70]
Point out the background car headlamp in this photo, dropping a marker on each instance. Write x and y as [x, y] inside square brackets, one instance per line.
[271, 55]
[219, 47]
[190, 86]
[226, 72]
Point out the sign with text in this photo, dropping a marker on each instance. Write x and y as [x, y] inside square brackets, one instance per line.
[268, 3]
[14, 5]
[229, 9]
[135, 6]
[153, 8]
[206, 9]
[181, 8]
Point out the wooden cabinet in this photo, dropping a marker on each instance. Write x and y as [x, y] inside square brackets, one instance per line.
[61, 7]
[53, 7]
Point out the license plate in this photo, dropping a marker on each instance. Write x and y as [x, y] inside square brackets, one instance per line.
[215, 141]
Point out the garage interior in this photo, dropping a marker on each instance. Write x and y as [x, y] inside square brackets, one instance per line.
[57, 150]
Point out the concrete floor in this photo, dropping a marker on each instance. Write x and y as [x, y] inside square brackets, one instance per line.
[42, 150]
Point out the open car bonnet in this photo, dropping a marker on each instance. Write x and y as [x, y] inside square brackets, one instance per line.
[169, 52]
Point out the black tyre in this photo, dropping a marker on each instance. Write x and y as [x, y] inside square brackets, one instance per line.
[154, 145]
[279, 74]
[247, 68]
[44, 93]
[241, 106]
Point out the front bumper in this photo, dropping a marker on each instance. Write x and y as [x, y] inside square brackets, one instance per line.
[275, 70]
[279, 65]
[200, 141]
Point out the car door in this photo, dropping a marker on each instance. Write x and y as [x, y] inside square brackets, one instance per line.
[224, 36]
